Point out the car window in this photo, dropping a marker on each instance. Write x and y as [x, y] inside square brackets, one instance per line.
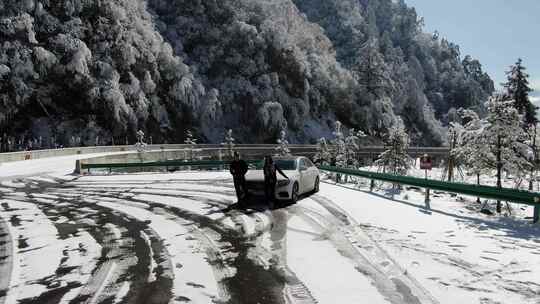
[309, 163]
[303, 164]
[285, 164]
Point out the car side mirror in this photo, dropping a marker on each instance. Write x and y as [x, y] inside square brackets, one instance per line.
[303, 169]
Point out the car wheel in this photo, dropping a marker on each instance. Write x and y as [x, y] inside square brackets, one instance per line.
[316, 186]
[294, 194]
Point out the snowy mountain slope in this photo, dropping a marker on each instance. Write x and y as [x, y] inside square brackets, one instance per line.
[104, 69]
[423, 75]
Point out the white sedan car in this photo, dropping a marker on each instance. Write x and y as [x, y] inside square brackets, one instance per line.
[303, 178]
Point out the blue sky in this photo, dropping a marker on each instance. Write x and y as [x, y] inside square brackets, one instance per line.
[496, 32]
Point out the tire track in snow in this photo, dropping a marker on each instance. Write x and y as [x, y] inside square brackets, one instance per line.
[134, 249]
[180, 254]
[293, 290]
[7, 261]
[36, 241]
[391, 280]
[250, 282]
[253, 226]
[69, 203]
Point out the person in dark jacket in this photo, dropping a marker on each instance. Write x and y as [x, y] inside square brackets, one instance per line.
[238, 169]
[270, 179]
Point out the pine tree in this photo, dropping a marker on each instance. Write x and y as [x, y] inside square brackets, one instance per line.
[470, 149]
[503, 139]
[229, 142]
[190, 140]
[283, 144]
[323, 155]
[352, 146]
[371, 70]
[532, 140]
[396, 159]
[140, 145]
[518, 89]
[340, 150]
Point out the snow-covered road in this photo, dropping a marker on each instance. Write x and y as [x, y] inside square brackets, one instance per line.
[166, 238]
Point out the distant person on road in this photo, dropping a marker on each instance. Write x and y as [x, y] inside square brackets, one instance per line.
[270, 179]
[238, 169]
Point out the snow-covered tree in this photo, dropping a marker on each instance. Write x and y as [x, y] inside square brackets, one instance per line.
[504, 148]
[229, 143]
[395, 159]
[140, 145]
[283, 144]
[518, 89]
[339, 154]
[504, 136]
[371, 70]
[323, 155]
[533, 140]
[190, 139]
[469, 148]
[352, 146]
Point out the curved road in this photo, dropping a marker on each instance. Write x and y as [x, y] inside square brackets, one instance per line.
[174, 238]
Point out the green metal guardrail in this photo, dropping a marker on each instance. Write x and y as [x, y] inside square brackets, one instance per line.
[503, 194]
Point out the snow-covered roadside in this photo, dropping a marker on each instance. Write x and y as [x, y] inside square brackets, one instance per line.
[324, 279]
[458, 254]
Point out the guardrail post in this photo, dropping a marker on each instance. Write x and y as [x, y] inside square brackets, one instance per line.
[536, 214]
[78, 167]
[427, 200]
[371, 185]
[220, 158]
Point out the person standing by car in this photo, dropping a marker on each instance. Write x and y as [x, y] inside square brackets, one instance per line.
[270, 179]
[238, 169]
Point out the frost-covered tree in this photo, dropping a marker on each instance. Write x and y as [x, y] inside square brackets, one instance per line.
[469, 149]
[229, 142]
[371, 70]
[395, 159]
[339, 155]
[190, 139]
[352, 146]
[504, 147]
[518, 89]
[283, 144]
[324, 154]
[140, 146]
[532, 139]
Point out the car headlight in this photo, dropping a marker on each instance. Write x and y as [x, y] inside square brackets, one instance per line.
[284, 182]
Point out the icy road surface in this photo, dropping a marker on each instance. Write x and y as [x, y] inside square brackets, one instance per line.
[173, 238]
